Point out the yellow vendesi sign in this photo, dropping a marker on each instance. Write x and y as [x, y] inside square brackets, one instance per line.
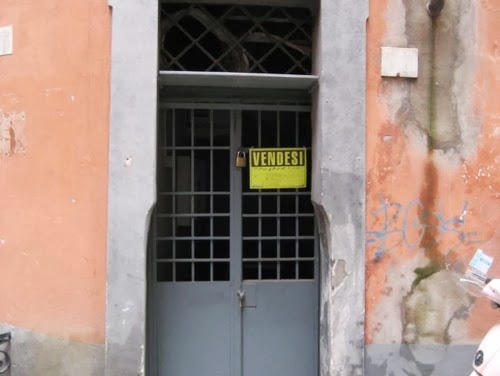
[278, 168]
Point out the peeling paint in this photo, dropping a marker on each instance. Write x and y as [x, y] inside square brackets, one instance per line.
[339, 274]
[12, 133]
[427, 316]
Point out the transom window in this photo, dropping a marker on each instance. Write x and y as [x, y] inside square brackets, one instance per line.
[221, 38]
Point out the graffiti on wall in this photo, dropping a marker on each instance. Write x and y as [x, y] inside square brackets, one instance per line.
[395, 224]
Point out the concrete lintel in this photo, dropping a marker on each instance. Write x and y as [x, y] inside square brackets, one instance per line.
[229, 80]
[275, 3]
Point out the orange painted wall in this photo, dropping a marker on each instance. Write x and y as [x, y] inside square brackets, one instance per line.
[54, 92]
[466, 208]
[54, 110]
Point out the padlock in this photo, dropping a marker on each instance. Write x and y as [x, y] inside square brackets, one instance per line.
[241, 159]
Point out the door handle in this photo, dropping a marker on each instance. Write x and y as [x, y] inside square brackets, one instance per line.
[247, 295]
[241, 297]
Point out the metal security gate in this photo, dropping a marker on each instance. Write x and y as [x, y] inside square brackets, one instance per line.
[235, 287]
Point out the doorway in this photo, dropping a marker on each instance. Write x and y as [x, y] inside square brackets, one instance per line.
[235, 270]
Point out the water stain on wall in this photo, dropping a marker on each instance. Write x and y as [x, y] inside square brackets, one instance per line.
[436, 115]
[446, 76]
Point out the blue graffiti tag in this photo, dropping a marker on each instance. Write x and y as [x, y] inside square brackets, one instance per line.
[397, 224]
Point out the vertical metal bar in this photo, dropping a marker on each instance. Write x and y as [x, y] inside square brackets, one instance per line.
[235, 212]
[236, 282]
[173, 196]
[192, 189]
[278, 201]
[297, 276]
[168, 118]
[162, 123]
[211, 189]
[259, 219]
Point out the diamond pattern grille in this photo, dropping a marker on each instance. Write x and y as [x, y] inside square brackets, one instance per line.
[251, 39]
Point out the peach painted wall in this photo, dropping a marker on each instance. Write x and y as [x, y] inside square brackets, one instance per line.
[425, 204]
[54, 110]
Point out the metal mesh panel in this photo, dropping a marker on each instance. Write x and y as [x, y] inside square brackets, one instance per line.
[213, 38]
[192, 224]
[193, 229]
[278, 225]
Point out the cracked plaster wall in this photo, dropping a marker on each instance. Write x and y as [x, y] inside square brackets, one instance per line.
[338, 186]
[432, 184]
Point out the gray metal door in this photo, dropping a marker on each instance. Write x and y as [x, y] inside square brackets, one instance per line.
[235, 270]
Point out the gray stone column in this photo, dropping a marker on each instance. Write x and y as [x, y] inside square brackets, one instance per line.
[132, 177]
[339, 182]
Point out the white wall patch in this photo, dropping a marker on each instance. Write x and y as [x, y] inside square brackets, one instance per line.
[399, 62]
[6, 41]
